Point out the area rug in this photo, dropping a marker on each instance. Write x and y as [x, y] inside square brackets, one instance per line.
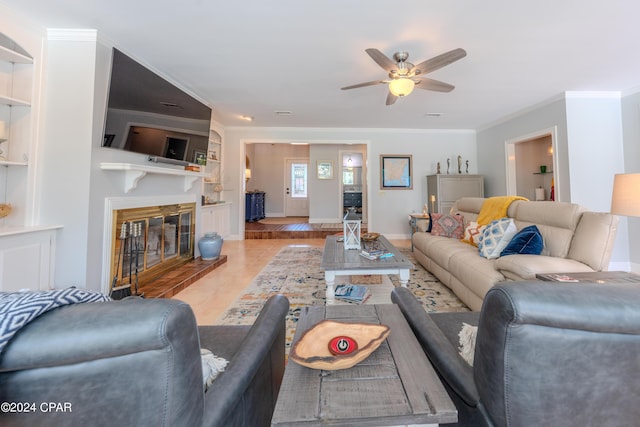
[295, 272]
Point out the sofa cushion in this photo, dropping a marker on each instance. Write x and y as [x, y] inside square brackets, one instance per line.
[441, 249]
[447, 225]
[594, 232]
[555, 220]
[496, 237]
[526, 241]
[525, 267]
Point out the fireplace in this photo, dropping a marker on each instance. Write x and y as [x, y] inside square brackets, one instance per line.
[148, 241]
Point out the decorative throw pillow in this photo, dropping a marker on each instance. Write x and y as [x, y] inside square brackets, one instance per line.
[496, 237]
[467, 336]
[447, 225]
[526, 241]
[472, 233]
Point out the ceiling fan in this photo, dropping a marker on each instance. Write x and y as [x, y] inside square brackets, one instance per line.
[403, 75]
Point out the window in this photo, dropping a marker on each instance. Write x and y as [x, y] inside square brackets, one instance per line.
[299, 180]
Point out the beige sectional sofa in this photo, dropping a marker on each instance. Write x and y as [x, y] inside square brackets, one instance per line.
[575, 240]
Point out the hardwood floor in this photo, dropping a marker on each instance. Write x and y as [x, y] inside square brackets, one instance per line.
[298, 230]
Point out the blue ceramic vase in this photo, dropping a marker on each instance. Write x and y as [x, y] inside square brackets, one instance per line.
[210, 246]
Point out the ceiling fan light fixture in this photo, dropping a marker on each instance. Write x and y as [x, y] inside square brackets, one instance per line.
[401, 86]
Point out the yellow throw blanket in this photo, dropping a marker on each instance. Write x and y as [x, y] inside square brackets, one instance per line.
[495, 208]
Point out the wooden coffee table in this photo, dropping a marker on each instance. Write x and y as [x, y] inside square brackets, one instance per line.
[395, 385]
[336, 261]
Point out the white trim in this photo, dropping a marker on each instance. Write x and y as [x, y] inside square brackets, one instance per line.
[510, 159]
[243, 183]
[341, 130]
[519, 113]
[325, 221]
[592, 94]
[72, 34]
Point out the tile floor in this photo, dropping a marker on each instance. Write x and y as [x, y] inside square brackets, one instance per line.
[211, 295]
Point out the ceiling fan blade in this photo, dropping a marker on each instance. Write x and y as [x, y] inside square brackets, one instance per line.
[382, 60]
[430, 84]
[391, 98]
[439, 61]
[374, 82]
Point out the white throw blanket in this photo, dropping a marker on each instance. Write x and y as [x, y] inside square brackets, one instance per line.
[212, 366]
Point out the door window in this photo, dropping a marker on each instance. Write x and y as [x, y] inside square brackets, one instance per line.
[298, 180]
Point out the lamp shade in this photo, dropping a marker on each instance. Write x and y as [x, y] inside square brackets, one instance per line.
[626, 194]
[401, 86]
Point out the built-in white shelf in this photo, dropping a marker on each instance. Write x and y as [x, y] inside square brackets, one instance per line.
[7, 100]
[133, 173]
[9, 55]
[215, 205]
[17, 230]
[9, 163]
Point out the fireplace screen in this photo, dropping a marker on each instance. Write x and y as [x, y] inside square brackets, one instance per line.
[150, 241]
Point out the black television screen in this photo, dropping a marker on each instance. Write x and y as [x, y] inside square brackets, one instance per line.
[147, 114]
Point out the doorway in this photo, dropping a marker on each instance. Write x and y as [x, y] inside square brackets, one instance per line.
[531, 162]
[352, 184]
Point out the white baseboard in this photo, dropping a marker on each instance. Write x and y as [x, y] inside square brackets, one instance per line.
[325, 220]
[622, 266]
[397, 236]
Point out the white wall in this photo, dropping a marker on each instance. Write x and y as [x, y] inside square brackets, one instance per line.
[491, 146]
[631, 132]
[589, 152]
[268, 172]
[66, 167]
[388, 209]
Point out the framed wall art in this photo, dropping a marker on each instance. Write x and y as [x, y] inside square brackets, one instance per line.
[325, 169]
[396, 172]
[200, 157]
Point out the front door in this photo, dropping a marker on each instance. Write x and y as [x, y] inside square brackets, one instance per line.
[296, 187]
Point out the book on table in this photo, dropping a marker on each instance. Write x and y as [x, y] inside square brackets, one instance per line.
[375, 254]
[352, 293]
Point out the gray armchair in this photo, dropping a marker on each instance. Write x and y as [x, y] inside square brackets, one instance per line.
[136, 362]
[546, 354]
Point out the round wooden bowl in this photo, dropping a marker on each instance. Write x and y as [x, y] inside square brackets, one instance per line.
[312, 349]
[370, 237]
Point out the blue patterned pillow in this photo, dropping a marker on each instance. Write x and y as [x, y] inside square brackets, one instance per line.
[496, 237]
[526, 241]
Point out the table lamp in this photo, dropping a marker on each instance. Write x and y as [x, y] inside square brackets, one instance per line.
[626, 194]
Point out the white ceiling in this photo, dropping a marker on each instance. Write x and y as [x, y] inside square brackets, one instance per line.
[255, 57]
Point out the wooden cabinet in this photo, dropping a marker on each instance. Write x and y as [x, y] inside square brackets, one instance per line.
[254, 206]
[26, 259]
[216, 218]
[444, 190]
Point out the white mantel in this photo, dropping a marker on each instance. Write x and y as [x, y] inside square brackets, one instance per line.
[133, 173]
